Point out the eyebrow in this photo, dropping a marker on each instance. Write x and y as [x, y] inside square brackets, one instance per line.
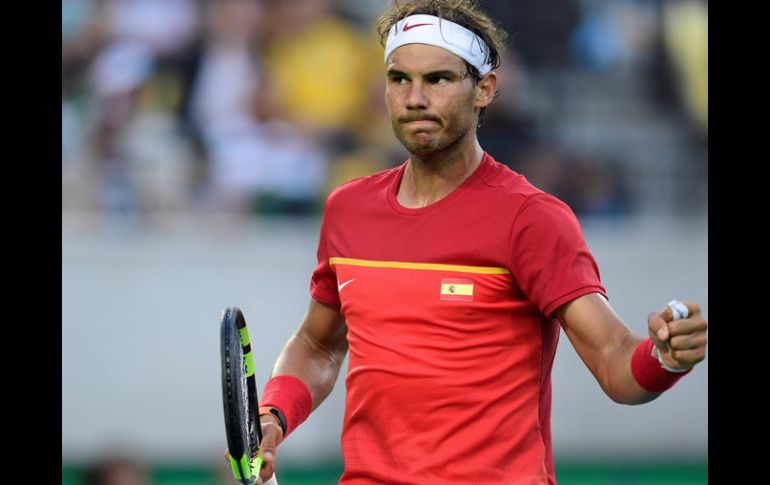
[440, 72]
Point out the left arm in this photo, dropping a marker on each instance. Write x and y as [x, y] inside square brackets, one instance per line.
[606, 345]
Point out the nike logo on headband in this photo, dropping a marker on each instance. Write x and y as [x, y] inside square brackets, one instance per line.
[408, 27]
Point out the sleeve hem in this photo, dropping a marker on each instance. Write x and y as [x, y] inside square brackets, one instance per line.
[551, 307]
[325, 297]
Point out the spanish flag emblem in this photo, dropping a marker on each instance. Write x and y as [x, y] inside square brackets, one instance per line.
[458, 289]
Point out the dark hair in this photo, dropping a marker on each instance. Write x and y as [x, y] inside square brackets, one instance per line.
[462, 12]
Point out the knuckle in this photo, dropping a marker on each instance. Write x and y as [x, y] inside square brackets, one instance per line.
[267, 449]
[697, 355]
[676, 342]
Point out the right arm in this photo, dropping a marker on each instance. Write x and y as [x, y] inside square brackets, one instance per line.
[314, 355]
[315, 352]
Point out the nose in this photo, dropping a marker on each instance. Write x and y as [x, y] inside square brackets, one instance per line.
[416, 98]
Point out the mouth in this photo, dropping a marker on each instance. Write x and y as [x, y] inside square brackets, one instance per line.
[417, 119]
[412, 122]
[419, 122]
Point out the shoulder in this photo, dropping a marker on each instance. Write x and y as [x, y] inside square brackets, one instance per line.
[511, 185]
[529, 202]
[507, 181]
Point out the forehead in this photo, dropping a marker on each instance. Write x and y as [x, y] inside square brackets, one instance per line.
[424, 58]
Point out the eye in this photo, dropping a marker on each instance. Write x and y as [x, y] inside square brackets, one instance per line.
[437, 79]
[398, 79]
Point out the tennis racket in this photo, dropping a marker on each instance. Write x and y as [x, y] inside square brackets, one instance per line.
[239, 396]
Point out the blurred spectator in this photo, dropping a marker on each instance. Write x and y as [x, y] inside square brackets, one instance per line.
[74, 152]
[144, 160]
[539, 29]
[600, 188]
[117, 469]
[329, 79]
[264, 105]
[257, 160]
[167, 27]
[596, 42]
[509, 124]
[229, 69]
[685, 30]
[81, 37]
[81, 34]
[591, 186]
[320, 66]
[136, 80]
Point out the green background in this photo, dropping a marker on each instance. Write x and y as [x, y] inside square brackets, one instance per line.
[567, 473]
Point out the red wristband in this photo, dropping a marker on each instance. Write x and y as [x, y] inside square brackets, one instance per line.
[291, 396]
[648, 372]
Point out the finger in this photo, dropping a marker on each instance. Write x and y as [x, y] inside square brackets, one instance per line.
[658, 329]
[271, 433]
[667, 313]
[268, 462]
[687, 326]
[693, 307]
[689, 341]
[688, 358]
[227, 455]
[268, 466]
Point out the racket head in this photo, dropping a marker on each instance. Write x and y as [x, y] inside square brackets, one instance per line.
[239, 397]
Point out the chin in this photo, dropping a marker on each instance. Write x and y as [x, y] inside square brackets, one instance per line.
[420, 143]
[422, 148]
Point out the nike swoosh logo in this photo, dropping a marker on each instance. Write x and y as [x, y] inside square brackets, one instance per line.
[408, 27]
[343, 285]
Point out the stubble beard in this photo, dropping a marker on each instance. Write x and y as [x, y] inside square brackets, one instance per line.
[435, 142]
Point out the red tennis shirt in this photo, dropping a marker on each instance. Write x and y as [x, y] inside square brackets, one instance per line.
[449, 314]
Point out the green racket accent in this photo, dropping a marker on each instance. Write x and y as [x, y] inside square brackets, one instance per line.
[247, 357]
[256, 465]
[249, 364]
[251, 469]
[244, 333]
[236, 467]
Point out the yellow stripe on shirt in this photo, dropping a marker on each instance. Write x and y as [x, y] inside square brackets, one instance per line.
[428, 266]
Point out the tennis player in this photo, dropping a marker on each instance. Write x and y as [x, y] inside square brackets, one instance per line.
[446, 280]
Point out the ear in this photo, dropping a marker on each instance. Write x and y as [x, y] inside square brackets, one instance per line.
[485, 90]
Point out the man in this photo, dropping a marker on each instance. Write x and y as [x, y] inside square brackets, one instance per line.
[446, 279]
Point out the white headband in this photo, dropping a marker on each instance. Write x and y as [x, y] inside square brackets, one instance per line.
[427, 29]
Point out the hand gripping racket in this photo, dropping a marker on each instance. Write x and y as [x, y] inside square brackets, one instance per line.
[239, 396]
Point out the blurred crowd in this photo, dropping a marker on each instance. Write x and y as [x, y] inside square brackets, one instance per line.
[122, 467]
[263, 106]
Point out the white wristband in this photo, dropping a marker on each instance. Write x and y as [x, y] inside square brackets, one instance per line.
[656, 354]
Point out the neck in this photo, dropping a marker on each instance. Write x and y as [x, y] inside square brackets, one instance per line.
[430, 177]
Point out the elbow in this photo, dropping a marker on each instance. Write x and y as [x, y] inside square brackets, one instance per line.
[626, 392]
[633, 400]
[630, 397]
